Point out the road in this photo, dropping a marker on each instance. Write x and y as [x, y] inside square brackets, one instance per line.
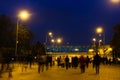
[107, 72]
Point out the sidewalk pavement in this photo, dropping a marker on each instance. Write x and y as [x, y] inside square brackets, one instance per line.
[107, 72]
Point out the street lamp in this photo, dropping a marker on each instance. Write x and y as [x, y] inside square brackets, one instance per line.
[52, 40]
[99, 42]
[23, 15]
[100, 38]
[49, 34]
[59, 40]
[94, 41]
[56, 41]
[100, 32]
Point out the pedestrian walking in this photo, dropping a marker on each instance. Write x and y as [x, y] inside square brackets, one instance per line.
[41, 62]
[82, 64]
[48, 61]
[24, 64]
[87, 61]
[58, 61]
[66, 62]
[75, 62]
[96, 62]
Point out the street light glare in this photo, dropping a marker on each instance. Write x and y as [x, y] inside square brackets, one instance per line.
[99, 30]
[24, 15]
[52, 40]
[115, 1]
[94, 39]
[100, 40]
[59, 40]
[50, 34]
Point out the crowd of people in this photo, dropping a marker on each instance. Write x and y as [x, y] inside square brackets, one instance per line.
[82, 62]
[47, 61]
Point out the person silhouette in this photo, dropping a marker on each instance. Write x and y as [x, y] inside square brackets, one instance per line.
[66, 62]
[96, 62]
[82, 63]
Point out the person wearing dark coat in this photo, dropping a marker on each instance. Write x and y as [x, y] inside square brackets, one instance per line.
[96, 62]
[87, 61]
[66, 62]
[82, 64]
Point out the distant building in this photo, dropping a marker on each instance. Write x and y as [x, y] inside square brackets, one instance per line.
[67, 48]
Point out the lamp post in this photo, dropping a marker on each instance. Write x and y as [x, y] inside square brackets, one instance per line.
[56, 41]
[23, 15]
[52, 39]
[49, 34]
[100, 42]
[101, 34]
[101, 39]
[59, 40]
[94, 44]
[99, 30]
[94, 41]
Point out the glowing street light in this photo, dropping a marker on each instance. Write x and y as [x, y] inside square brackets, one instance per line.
[115, 1]
[59, 40]
[99, 30]
[100, 42]
[50, 34]
[52, 40]
[56, 41]
[94, 41]
[23, 15]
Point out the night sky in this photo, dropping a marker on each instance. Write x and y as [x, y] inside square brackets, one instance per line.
[73, 20]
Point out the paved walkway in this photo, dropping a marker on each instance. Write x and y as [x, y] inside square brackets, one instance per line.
[107, 72]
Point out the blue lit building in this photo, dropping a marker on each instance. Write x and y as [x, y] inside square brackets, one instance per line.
[67, 48]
